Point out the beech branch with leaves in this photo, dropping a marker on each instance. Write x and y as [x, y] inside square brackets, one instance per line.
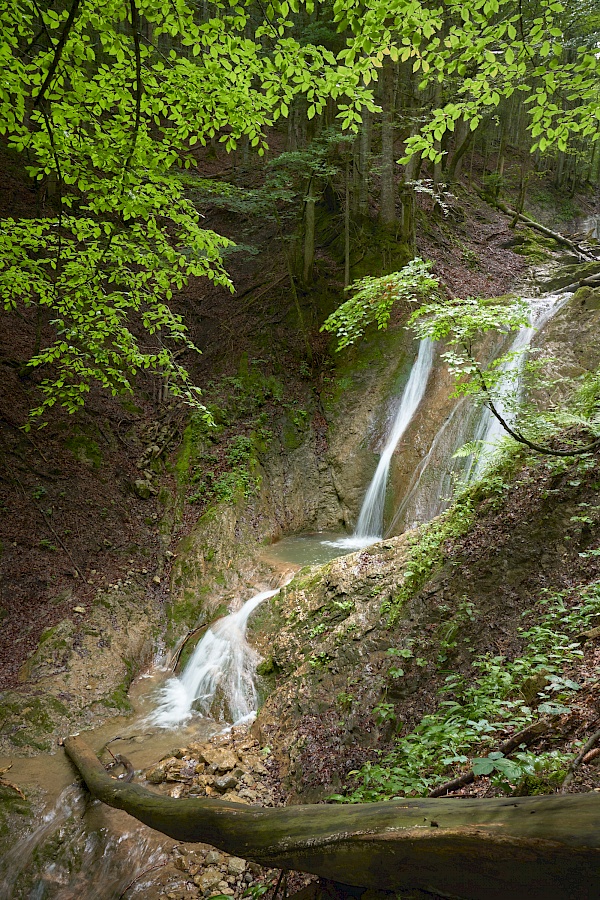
[460, 325]
[106, 101]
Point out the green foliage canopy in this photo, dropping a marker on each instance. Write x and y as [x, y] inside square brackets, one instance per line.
[374, 298]
[106, 101]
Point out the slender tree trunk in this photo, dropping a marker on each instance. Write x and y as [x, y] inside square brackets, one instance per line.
[437, 166]
[560, 166]
[309, 232]
[362, 168]
[464, 139]
[347, 227]
[387, 210]
[595, 166]
[522, 848]
[523, 179]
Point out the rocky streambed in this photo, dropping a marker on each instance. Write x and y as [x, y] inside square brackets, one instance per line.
[231, 766]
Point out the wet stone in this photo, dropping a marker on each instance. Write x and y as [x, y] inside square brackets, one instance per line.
[236, 865]
[225, 783]
[222, 760]
[157, 774]
[208, 879]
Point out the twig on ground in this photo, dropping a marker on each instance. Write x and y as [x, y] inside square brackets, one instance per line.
[141, 875]
[282, 877]
[589, 757]
[9, 784]
[526, 736]
[578, 760]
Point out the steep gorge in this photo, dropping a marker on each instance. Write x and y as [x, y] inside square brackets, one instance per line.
[310, 474]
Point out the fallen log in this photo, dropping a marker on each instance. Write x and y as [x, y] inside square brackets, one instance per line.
[555, 235]
[525, 848]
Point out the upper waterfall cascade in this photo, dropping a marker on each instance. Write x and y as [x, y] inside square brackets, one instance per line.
[431, 487]
[489, 429]
[369, 527]
[370, 520]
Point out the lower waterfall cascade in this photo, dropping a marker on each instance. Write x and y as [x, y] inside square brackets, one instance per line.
[223, 664]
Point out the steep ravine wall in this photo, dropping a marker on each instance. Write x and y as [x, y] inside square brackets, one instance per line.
[325, 637]
[312, 478]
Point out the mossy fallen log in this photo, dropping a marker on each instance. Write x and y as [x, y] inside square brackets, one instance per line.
[548, 232]
[525, 848]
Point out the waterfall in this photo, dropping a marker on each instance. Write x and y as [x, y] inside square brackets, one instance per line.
[430, 488]
[221, 670]
[488, 429]
[370, 520]
[431, 485]
[369, 527]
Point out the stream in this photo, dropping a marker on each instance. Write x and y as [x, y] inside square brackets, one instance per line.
[76, 836]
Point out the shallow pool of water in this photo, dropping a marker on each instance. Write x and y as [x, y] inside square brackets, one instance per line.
[314, 549]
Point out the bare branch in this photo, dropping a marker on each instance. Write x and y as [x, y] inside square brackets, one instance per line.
[57, 53]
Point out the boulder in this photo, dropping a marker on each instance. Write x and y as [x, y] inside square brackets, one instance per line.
[226, 783]
[208, 878]
[222, 759]
[236, 865]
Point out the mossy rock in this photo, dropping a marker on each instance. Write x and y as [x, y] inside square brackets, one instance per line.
[119, 699]
[536, 247]
[572, 274]
[588, 297]
[292, 436]
[53, 650]
[29, 722]
[85, 450]
[16, 815]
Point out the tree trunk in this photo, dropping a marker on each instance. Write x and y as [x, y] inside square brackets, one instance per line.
[525, 848]
[347, 225]
[309, 232]
[408, 224]
[387, 209]
[464, 139]
[361, 169]
[595, 164]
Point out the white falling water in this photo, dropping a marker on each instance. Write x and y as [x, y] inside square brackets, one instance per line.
[430, 488]
[221, 671]
[369, 527]
[488, 429]
[433, 481]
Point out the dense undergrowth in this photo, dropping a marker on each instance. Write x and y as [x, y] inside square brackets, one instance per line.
[498, 694]
[473, 712]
